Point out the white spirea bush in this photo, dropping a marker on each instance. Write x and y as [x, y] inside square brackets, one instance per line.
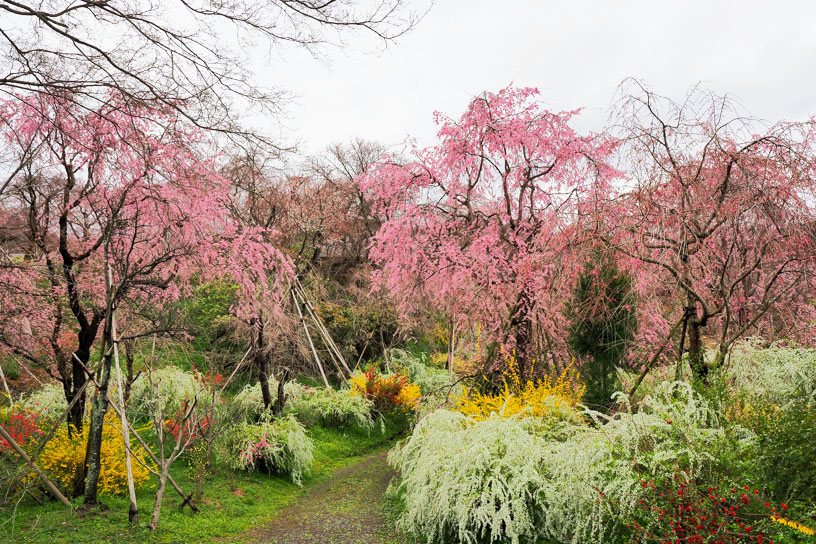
[467, 481]
[280, 445]
[672, 429]
[248, 404]
[48, 401]
[777, 374]
[332, 408]
[167, 390]
[514, 480]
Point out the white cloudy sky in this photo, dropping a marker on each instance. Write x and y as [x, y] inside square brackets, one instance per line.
[575, 52]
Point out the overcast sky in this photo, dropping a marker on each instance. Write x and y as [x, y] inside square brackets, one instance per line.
[575, 52]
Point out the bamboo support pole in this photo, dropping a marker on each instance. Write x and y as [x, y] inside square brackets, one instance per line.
[309, 338]
[30, 462]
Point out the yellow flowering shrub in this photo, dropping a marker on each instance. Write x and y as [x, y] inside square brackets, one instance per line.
[409, 395]
[545, 397]
[460, 365]
[64, 456]
[794, 525]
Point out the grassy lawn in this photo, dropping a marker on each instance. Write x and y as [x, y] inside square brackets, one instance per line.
[232, 503]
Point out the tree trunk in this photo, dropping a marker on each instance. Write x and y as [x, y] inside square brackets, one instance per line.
[260, 357]
[129, 379]
[154, 520]
[451, 345]
[281, 401]
[522, 327]
[695, 350]
[78, 365]
[93, 458]
[98, 411]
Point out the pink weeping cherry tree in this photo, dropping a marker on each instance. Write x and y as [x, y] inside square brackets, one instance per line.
[483, 225]
[719, 220]
[119, 207]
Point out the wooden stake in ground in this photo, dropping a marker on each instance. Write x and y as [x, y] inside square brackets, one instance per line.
[309, 338]
[5, 385]
[133, 512]
[30, 462]
[451, 344]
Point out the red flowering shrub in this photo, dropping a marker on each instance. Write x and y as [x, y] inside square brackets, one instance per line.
[22, 426]
[191, 430]
[680, 510]
[388, 392]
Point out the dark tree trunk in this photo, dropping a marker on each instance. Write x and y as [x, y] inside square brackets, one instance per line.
[130, 378]
[521, 326]
[695, 349]
[99, 408]
[261, 361]
[280, 404]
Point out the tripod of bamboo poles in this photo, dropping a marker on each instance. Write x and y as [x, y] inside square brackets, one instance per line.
[307, 313]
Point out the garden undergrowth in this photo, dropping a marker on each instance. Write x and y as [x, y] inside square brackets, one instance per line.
[232, 504]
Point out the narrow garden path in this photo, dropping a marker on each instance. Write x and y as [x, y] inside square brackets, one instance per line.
[349, 508]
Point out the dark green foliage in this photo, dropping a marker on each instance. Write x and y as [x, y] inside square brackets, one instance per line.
[784, 451]
[362, 329]
[209, 306]
[10, 368]
[602, 323]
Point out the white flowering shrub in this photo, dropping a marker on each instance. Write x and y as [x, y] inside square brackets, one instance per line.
[516, 481]
[593, 478]
[48, 401]
[248, 404]
[471, 481]
[777, 374]
[332, 408]
[275, 446]
[167, 389]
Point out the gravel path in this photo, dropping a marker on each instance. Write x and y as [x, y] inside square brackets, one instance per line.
[349, 508]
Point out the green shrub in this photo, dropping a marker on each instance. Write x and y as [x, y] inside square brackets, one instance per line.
[420, 371]
[274, 446]
[783, 454]
[11, 370]
[332, 409]
[602, 324]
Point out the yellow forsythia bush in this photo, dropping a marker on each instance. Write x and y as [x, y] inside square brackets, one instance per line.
[64, 456]
[543, 398]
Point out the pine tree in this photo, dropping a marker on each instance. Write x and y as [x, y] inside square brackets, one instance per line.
[602, 323]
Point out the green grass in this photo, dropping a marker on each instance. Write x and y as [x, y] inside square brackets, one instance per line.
[231, 505]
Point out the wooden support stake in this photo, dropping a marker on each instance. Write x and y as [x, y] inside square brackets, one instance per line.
[309, 338]
[133, 512]
[29, 461]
